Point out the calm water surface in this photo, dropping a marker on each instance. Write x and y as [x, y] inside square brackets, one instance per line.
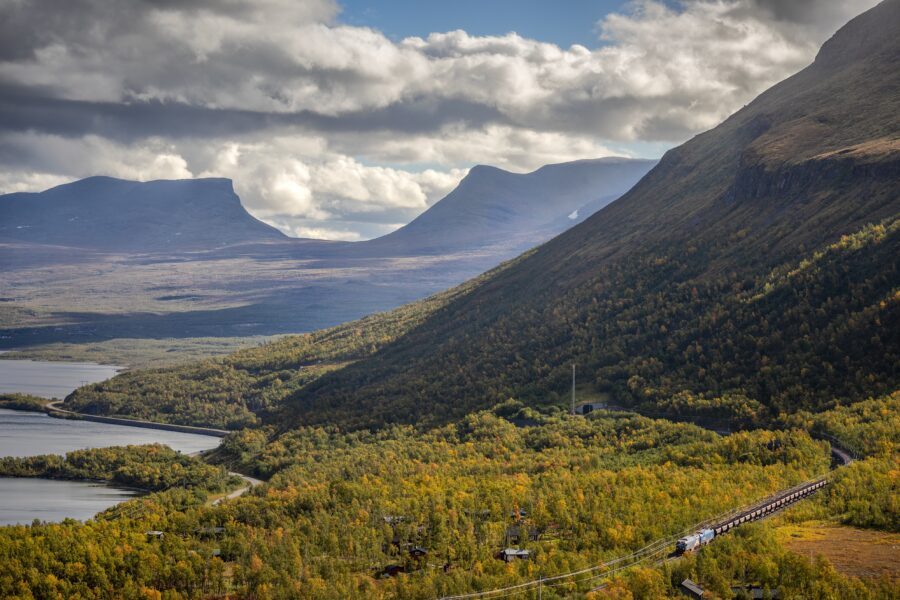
[28, 434]
[23, 500]
[50, 379]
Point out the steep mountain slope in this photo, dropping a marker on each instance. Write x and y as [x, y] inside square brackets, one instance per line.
[249, 386]
[753, 271]
[722, 273]
[493, 206]
[113, 214]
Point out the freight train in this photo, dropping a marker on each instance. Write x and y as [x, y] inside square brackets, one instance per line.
[763, 509]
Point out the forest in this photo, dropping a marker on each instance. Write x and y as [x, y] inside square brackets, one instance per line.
[645, 329]
[22, 402]
[439, 504]
[153, 467]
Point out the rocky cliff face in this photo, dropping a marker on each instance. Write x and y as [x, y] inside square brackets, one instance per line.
[864, 165]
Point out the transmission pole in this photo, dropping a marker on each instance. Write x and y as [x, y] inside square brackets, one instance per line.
[573, 388]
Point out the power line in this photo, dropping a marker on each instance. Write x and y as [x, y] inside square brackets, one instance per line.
[649, 551]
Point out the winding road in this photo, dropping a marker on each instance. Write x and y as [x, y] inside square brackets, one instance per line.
[250, 481]
[55, 410]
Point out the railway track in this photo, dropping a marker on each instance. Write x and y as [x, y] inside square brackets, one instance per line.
[661, 551]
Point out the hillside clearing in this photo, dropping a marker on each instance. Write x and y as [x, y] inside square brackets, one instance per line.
[852, 551]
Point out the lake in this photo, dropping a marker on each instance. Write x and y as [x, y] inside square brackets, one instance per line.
[24, 499]
[29, 433]
[50, 379]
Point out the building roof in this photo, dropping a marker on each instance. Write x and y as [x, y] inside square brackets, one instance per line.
[692, 587]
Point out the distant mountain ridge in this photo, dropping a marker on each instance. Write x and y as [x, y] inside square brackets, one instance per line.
[491, 205]
[104, 258]
[114, 214]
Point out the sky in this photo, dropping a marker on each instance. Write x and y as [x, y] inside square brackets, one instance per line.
[345, 120]
[561, 23]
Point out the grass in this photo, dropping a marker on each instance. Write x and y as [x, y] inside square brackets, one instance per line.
[852, 551]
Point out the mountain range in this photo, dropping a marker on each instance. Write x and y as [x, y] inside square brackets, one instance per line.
[489, 207]
[103, 258]
[724, 271]
[753, 270]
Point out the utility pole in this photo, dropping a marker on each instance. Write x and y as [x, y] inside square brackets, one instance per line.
[573, 388]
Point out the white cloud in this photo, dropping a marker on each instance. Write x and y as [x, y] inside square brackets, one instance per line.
[293, 176]
[707, 56]
[504, 146]
[294, 183]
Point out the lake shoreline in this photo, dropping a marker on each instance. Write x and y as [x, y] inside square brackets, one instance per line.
[33, 433]
[53, 410]
[102, 482]
[53, 500]
[27, 430]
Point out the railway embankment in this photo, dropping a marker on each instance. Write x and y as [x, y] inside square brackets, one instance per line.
[55, 410]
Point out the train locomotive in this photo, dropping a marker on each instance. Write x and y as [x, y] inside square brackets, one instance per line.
[692, 542]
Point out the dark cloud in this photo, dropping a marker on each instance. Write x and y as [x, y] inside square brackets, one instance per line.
[29, 25]
[24, 108]
[822, 17]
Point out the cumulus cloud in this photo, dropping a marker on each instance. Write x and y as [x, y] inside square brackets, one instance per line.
[293, 182]
[508, 147]
[334, 130]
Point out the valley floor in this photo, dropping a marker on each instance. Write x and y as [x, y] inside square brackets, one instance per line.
[68, 297]
[139, 353]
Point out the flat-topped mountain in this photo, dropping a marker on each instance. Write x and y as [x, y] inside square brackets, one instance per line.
[491, 206]
[128, 216]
